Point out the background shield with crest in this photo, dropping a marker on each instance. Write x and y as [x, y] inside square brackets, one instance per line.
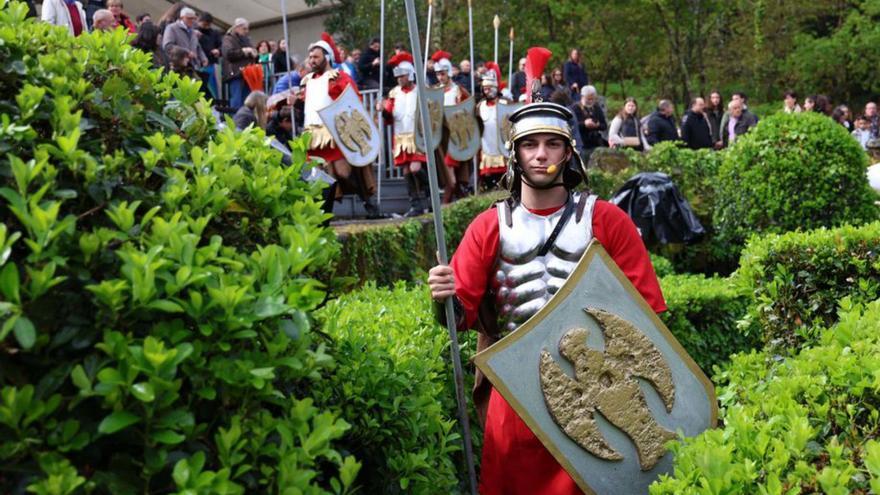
[504, 110]
[352, 129]
[434, 97]
[464, 134]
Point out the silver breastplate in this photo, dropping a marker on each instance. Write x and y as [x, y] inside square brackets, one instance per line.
[524, 281]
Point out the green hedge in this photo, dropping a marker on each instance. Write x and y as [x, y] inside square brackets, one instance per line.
[793, 171]
[402, 250]
[797, 279]
[393, 383]
[155, 281]
[703, 314]
[806, 424]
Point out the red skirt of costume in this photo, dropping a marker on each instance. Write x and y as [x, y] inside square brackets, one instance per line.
[329, 154]
[451, 162]
[514, 461]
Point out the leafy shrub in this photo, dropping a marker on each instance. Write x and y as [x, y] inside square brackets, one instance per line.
[806, 424]
[155, 284]
[703, 314]
[662, 266]
[793, 171]
[797, 279]
[393, 383]
[387, 253]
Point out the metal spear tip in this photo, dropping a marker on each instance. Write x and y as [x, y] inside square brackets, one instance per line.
[496, 21]
[430, 3]
[511, 33]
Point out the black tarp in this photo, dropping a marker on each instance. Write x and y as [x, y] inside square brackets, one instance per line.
[658, 209]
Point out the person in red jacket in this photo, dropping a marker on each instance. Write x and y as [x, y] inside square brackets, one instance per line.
[400, 109]
[542, 173]
[321, 87]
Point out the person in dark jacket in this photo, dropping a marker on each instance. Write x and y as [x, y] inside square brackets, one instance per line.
[591, 121]
[714, 112]
[661, 124]
[369, 65]
[737, 121]
[238, 53]
[695, 131]
[518, 82]
[574, 74]
[211, 40]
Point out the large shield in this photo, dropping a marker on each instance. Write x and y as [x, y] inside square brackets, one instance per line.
[601, 381]
[434, 97]
[464, 134]
[352, 128]
[503, 115]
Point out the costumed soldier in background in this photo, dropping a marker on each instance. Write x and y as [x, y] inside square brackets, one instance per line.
[453, 94]
[400, 109]
[515, 256]
[492, 165]
[320, 88]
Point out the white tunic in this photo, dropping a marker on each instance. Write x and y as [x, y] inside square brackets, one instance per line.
[317, 98]
[451, 94]
[489, 116]
[404, 110]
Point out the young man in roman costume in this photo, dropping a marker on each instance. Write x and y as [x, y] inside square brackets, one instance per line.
[499, 277]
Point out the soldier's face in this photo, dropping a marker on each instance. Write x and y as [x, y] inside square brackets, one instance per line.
[316, 59]
[443, 76]
[536, 153]
[403, 80]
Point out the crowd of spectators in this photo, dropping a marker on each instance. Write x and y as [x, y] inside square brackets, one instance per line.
[186, 42]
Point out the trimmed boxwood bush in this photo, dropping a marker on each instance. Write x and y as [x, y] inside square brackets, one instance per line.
[155, 281]
[797, 279]
[703, 314]
[389, 252]
[393, 383]
[806, 424]
[793, 171]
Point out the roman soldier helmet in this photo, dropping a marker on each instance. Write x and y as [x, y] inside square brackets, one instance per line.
[402, 64]
[441, 61]
[492, 77]
[327, 44]
[540, 117]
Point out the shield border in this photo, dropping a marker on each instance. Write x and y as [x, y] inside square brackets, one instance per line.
[476, 142]
[362, 160]
[482, 359]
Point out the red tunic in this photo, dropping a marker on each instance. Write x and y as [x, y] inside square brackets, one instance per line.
[514, 460]
[335, 87]
[405, 157]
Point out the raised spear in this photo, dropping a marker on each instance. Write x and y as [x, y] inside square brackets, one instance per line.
[439, 234]
[381, 120]
[510, 63]
[287, 53]
[496, 23]
[473, 90]
[428, 32]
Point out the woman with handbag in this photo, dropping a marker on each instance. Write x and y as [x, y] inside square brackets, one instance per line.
[626, 128]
